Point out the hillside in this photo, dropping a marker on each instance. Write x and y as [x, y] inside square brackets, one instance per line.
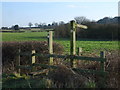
[108, 20]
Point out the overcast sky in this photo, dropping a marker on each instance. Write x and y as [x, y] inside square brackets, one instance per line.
[22, 13]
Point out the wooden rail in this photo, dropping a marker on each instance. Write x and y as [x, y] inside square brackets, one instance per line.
[67, 57]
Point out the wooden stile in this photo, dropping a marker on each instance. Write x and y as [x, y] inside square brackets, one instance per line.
[73, 57]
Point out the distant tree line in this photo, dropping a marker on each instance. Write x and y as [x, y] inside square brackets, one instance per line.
[106, 28]
[109, 31]
[44, 25]
[35, 25]
[14, 27]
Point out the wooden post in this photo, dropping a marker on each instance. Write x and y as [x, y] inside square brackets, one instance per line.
[73, 43]
[50, 42]
[32, 60]
[33, 57]
[17, 59]
[79, 51]
[79, 54]
[102, 64]
[102, 67]
[73, 26]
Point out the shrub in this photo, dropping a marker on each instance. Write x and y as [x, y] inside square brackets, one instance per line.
[111, 66]
[10, 50]
[64, 77]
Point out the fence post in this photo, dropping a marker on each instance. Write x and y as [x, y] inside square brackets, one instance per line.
[50, 46]
[79, 51]
[73, 43]
[17, 59]
[32, 60]
[102, 67]
[102, 55]
[33, 57]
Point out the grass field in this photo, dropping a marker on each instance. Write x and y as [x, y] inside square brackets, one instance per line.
[87, 45]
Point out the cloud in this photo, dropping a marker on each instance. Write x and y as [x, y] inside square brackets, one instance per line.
[77, 6]
[72, 6]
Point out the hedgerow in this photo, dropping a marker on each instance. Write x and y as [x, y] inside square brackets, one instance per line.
[10, 51]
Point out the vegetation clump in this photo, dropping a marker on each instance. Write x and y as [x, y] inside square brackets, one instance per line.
[10, 51]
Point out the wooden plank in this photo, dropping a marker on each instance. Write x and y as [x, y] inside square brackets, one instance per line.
[24, 67]
[39, 72]
[45, 66]
[81, 26]
[88, 58]
[71, 57]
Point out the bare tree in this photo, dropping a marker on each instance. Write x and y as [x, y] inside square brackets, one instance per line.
[30, 24]
[54, 23]
[81, 20]
[36, 24]
[41, 25]
[61, 23]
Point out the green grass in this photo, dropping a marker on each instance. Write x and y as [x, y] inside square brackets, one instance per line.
[87, 45]
[25, 36]
[90, 46]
